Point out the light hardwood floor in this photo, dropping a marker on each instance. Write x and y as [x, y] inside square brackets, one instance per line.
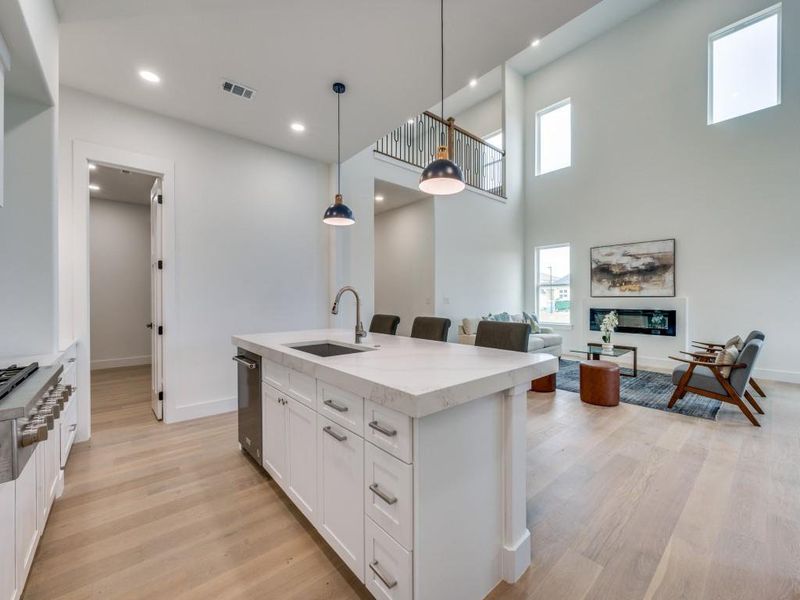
[624, 503]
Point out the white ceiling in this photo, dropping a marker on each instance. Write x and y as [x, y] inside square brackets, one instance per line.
[395, 196]
[386, 51]
[121, 186]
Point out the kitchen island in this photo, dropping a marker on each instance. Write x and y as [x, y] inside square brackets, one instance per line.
[407, 455]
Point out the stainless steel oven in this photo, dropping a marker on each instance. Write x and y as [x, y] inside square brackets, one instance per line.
[249, 391]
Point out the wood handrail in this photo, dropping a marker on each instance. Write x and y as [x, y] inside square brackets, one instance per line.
[444, 122]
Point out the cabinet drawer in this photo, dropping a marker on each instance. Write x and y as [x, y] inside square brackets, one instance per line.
[68, 424]
[388, 429]
[387, 565]
[389, 497]
[275, 374]
[303, 387]
[341, 407]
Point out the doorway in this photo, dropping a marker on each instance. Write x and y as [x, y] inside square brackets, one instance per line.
[404, 253]
[126, 283]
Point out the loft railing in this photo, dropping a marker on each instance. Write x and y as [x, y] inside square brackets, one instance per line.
[416, 143]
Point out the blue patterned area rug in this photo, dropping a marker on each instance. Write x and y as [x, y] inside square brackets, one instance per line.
[649, 389]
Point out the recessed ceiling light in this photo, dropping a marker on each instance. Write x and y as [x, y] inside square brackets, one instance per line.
[378, 198]
[94, 187]
[536, 42]
[149, 76]
[473, 82]
[92, 166]
[297, 127]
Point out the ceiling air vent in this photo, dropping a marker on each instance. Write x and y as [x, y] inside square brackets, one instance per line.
[237, 89]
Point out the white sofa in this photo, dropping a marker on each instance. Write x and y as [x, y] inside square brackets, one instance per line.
[545, 341]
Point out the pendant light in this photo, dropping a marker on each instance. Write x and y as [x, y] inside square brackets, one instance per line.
[338, 214]
[442, 176]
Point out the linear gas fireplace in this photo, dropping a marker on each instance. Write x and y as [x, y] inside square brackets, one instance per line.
[645, 321]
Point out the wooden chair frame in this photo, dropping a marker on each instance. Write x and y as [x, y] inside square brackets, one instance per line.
[731, 397]
[714, 347]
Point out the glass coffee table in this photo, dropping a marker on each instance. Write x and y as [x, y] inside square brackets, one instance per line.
[595, 351]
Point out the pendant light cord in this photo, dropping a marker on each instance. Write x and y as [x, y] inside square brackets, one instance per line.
[338, 144]
[441, 39]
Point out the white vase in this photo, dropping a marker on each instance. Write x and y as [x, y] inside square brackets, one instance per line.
[608, 347]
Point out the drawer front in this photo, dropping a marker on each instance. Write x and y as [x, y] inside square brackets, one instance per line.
[387, 565]
[388, 429]
[340, 472]
[341, 407]
[389, 497]
[69, 425]
[303, 388]
[275, 374]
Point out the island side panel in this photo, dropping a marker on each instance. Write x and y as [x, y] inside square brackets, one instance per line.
[459, 500]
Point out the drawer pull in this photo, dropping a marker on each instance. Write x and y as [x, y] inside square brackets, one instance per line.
[337, 436]
[383, 429]
[250, 364]
[335, 406]
[386, 579]
[382, 495]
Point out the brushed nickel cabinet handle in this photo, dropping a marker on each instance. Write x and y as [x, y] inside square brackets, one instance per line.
[335, 406]
[337, 436]
[382, 495]
[387, 580]
[246, 362]
[383, 429]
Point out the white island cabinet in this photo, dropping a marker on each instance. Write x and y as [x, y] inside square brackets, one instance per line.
[408, 456]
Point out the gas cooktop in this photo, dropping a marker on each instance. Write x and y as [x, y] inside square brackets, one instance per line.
[14, 375]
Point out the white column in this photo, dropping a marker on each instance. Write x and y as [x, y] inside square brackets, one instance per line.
[516, 537]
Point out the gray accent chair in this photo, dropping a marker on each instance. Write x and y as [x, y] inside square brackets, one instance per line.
[712, 347]
[384, 324]
[707, 379]
[503, 336]
[430, 328]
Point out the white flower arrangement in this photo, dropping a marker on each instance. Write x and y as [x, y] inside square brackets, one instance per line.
[610, 322]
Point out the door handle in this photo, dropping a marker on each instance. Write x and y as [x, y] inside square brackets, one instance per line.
[149, 325]
[337, 436]
[387, 580]
[381, 494]
[250, 364]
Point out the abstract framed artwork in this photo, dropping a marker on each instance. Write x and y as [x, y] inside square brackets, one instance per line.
[641, 269]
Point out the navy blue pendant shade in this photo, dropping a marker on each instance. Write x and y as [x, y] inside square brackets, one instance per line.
[442, 177]
[338, 214]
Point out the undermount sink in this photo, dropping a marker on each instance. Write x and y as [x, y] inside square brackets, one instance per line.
[327, 348]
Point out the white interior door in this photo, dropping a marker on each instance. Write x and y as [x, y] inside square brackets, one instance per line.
[156, 305]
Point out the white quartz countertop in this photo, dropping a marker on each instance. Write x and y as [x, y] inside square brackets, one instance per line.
[415, 377]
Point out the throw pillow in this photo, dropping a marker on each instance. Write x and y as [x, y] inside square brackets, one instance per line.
[503, 316]
[735, 341]
[535, 327]
[728, 356]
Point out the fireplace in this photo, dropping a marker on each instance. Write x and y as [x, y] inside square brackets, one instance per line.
[645, 321]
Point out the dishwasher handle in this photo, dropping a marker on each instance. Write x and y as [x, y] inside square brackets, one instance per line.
[250, 364]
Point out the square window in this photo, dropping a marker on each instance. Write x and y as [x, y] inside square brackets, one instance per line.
[744, 66]
[554, 137]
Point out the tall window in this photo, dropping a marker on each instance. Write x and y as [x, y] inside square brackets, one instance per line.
[493, 161]
[744, 66]
[553, 284]
[554, 137]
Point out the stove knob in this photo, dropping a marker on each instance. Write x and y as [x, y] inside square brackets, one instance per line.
[43, 416]
[32, 433]
[52, 408]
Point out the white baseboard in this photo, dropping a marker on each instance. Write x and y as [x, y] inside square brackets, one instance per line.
[114, 363]
[187, 412]
[777, 375]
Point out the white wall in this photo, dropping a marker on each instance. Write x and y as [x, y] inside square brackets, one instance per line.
[251, 248]
[483, 118]
[120, 283]
[647, 166]
[404, 262]
[28, 231]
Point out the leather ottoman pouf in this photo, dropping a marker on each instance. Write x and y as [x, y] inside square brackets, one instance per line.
[599, 382]
[545, 384]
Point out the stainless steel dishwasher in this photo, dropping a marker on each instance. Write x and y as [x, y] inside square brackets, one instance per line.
[249, 372]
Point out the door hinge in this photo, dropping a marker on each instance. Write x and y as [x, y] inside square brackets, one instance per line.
[161, 264]
[160, 395]
[160, 199]
[160, 330]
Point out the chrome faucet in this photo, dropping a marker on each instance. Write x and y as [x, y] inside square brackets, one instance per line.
[360, 333]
